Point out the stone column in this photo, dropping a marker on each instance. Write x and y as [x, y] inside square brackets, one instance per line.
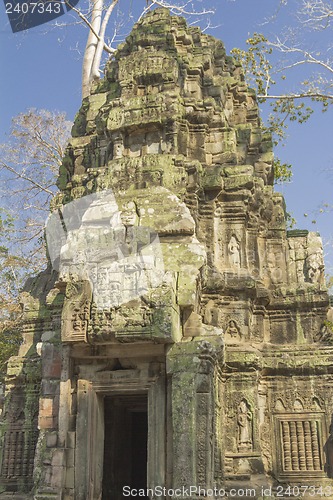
[191, 367]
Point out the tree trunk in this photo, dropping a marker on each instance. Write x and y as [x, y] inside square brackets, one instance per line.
[100, 45]
[90, 51]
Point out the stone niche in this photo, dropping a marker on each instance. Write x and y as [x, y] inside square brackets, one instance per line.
[182, 337]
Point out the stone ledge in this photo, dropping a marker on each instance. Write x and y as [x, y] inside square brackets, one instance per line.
[15, 496]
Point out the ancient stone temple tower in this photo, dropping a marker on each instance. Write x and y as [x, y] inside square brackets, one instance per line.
[180, 341]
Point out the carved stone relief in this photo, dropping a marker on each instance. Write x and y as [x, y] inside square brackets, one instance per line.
[76, 311]
[245, 431]
[170, 144]
[232, 331]
[314, 268]
[325, 334]
[234, 252]
[211, 314]
[300, 444]
[118, 148]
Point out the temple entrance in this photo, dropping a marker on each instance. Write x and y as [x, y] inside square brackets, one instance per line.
[125, 445]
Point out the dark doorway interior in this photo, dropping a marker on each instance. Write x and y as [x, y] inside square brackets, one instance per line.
[125, 445]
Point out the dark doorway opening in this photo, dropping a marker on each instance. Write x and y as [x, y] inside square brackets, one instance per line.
[125, 445]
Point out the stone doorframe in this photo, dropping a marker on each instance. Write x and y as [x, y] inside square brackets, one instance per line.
[90, 427]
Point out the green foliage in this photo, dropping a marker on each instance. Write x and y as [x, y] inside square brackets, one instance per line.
[263, 75]
[328, 324]
[6, 220]
[282, 171]
[284, 110]
[12, 273]
[291, 221]
[14, 268]
[259, 73]
[10, 341]
[256, 64]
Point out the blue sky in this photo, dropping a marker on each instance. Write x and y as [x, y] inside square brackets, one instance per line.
[41, 68]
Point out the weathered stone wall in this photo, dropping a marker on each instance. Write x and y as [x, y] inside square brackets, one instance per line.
[228, 342]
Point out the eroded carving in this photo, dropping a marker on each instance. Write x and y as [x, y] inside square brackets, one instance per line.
[244, 421]
[234, 252]
[170, 144]
[233, 331]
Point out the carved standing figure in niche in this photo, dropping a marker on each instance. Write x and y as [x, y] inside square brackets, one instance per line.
[244, 421]
[232, 329]
[211, 316]
[234, 252]
[118, 148]
[325, 334]
[315, 267]
[278, 218]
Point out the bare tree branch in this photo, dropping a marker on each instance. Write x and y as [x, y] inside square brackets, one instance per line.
[20, 175]
[291, 97]
[30, 163]
[316, 14]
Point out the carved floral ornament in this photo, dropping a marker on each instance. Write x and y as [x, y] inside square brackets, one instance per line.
[297, 403]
